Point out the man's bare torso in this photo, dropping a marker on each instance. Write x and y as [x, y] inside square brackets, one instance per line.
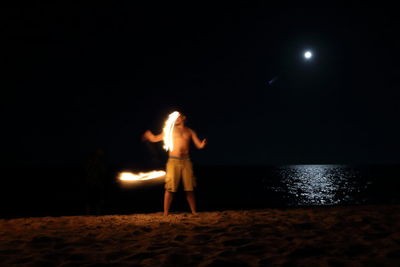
[182, 136]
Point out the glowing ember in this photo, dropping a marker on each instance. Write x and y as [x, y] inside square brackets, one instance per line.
[129, 176]
[168, 130]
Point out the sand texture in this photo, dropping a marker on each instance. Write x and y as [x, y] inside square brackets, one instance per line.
[322, 236]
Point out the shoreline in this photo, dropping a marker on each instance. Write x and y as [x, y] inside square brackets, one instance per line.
[333, 235]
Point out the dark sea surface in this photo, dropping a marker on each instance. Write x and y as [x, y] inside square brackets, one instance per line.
[62, 191]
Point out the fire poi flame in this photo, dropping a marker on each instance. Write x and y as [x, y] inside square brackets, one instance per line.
[168, 146]
[168, 130]
[141, 176]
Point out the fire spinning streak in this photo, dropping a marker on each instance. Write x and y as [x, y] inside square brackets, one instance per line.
[168, 130]
[168, 146]
[141, 176]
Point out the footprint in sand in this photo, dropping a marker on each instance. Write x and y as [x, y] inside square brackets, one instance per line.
[201, 228]
[357, 249]
[223, 262]
[236, 242]
[394, 254]
[200, 239]
[136, 232]
[157, 248]
[146, 229]
[227, 253]
[197, 257]
[304, 226]
[53, 256]
[180, 237]
[117, 255]
[77, 257]
[15, 243]
[251, 249]
[177, 259]
[23, 260]
[44, 241]
[60, 245]
[10, 251]
[261, 226]
[216, 230]
[141, 256]
[376, 235]
[307, 251]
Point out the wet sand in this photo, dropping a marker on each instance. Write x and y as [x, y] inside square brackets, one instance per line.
[317, 236]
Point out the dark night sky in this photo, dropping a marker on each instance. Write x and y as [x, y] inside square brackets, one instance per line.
[78, 77]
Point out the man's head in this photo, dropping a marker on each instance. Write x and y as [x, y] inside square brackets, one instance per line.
[180, 120]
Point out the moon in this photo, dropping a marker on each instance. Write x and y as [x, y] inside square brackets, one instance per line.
[308, 55]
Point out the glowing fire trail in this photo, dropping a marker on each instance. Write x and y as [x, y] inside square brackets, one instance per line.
[129, 176]
[168, 146]
[168, 130]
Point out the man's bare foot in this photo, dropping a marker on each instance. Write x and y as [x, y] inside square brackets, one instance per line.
[165, 213]
[195, 214]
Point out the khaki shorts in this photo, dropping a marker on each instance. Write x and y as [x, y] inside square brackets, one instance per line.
[179, 169]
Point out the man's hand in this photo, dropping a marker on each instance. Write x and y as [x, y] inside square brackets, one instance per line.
[199, 144]
[147, 136]
[203, 143]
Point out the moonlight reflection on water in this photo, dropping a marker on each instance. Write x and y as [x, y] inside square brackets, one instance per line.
[319, 184]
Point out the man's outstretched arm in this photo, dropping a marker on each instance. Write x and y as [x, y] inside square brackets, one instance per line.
[199, 144]
[149, 136]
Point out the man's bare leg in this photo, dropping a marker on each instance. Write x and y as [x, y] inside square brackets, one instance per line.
[192, 201]
[168, 196]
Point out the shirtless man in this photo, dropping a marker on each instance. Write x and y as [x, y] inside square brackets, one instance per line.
[179, 165]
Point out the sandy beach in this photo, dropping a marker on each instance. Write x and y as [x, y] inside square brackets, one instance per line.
[315, 236]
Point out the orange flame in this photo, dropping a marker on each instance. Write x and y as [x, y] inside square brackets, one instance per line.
[168, 130]
[168, 145]
[141, 176]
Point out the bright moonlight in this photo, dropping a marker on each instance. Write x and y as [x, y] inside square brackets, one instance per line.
[308, 55]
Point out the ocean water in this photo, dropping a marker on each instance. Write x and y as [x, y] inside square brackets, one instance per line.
[55, 192]
[321, 184]
[303, 185]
